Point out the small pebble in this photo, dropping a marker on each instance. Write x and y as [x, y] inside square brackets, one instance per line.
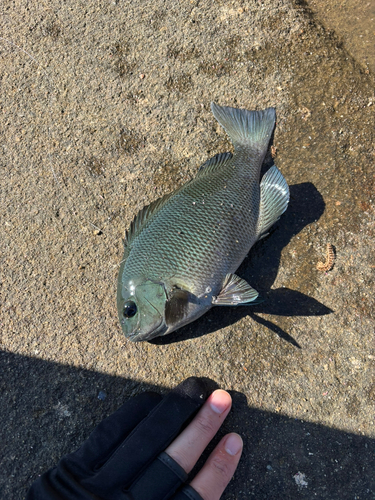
[102, 395]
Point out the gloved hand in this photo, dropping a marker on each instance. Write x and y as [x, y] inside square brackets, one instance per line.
[133, 454]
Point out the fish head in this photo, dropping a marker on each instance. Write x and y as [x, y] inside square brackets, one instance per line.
[141, 309]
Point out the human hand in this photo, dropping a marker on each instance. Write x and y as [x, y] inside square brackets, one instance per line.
[213, 478]
[140, 453]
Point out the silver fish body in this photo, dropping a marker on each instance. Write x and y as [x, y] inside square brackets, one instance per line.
[181, 251]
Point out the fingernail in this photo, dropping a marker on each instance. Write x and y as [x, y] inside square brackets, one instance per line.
[233, 444]
[217, 402]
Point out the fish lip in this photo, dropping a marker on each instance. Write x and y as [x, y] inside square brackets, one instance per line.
[139, 337]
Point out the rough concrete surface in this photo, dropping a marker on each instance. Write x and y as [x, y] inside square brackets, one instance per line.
[105, 107]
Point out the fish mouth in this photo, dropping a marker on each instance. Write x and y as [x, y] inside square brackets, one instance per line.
[148, 330]
[139, 336]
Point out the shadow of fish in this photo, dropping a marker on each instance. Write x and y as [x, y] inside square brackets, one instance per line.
[182, 250]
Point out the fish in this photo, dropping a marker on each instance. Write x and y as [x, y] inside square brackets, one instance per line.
[181, 251]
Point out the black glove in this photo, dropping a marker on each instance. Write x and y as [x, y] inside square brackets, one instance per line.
[124, 458]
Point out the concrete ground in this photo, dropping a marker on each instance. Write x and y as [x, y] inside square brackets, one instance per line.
[105, 107]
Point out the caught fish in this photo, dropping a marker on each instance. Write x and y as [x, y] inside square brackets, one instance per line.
[181, 251]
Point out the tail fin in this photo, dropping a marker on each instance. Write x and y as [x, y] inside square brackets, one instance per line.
[246, 129]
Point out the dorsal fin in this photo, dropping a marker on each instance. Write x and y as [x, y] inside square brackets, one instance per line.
[213, 163]
[143, 216]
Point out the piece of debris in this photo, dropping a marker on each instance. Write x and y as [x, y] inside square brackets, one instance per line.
[61, 411]
[273, 151]
[300, 480]
[330, 259]
[306, 113]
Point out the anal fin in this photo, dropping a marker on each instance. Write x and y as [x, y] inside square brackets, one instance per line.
[274, 199]
[235, 291]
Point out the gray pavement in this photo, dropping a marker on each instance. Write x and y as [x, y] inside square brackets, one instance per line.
[104, 108]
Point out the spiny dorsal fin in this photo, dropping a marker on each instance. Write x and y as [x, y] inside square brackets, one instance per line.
[143, 216]
[246, 129]
[274, 199]
[235, 291]
[213, 163]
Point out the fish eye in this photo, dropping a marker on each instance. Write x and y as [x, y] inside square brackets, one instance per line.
[130, 309]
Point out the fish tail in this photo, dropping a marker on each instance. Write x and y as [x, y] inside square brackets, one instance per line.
[246, 129]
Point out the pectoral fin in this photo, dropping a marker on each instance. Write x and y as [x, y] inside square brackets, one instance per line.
[177, 306]
[274, 199]
[235, 291]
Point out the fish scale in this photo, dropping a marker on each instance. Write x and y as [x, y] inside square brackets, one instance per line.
[209, 229]
[182, 250]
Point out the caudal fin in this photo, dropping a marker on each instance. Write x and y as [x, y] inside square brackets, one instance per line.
[246, 129]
